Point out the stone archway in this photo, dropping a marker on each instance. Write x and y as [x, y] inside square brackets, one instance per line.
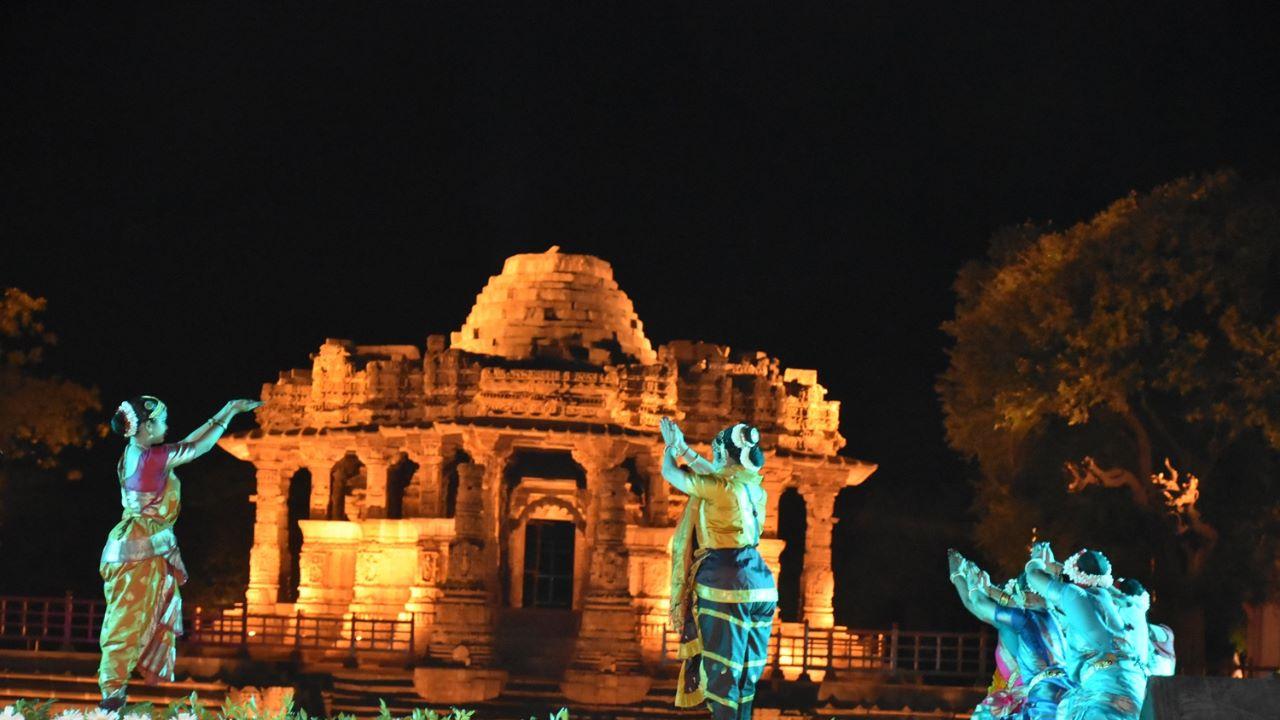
[792, 528]
[298, 508]
[541, 500]
[399, 476]
[449, 478]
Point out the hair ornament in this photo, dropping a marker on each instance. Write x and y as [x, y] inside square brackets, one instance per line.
[130, 419]
[1071, 568]
[745, 436]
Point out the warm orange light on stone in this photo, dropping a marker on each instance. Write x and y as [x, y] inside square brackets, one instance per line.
[552, 358]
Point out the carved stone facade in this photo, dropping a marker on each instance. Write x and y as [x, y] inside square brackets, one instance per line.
[418, 504]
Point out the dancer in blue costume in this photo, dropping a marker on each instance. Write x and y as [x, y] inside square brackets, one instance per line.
[1157, 645]
[1026, 628]
[1108, 673]
[722, 595]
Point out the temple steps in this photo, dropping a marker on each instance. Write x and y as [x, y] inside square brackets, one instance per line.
[79, 691]
[359, 693]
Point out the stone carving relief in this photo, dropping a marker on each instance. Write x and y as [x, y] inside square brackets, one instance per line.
[429, 567]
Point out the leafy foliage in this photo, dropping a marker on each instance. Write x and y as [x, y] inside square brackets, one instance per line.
[1085, 358]
[40, 416]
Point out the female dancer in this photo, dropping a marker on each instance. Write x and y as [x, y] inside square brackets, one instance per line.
[141, 568]
[723, 595]
[1028, 632]
[1108, 674]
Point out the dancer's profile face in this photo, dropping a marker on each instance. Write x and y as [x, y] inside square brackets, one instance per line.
[153, 430]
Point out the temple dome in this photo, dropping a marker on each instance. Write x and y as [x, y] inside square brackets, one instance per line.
[554, 305]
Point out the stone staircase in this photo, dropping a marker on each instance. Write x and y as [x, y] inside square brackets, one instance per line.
[80, 691]
[536, 642]
[358, 692]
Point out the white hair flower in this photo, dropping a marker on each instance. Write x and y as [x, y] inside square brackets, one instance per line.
[136, 716]
[69, 714]
[9, 713]
[130, 419]
[185, 716]
[100, 714]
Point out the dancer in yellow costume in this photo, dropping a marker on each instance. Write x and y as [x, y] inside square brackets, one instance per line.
[141, 567]
[723, 595]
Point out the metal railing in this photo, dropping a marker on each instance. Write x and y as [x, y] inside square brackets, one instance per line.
[68, 623]
[50, 623]
[234, 627]
[796, 648]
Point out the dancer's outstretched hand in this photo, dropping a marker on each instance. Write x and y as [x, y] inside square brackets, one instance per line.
[1041, 551]
[244, 405]
[954, 560]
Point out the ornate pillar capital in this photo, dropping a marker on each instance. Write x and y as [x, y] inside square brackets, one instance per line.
[317, 453]
[599, 455]
[486, 446]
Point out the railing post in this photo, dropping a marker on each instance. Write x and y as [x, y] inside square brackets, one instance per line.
[804, 649]
[982, 656]
[662, 654]
[66, 622]
[351, 652]
[893, 648]
[408, 651]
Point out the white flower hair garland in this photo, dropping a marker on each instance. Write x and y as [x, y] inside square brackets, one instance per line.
[1071, 568]
[130, 419]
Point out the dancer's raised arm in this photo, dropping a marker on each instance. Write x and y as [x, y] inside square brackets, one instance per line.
[676, 447]
[206, 436]
[971, 584]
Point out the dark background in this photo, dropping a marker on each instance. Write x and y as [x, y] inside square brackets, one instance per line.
[204, 194]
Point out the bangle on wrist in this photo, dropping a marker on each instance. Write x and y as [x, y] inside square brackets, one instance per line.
[215, 422]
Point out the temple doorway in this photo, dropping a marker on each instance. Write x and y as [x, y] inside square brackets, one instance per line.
[548, 564]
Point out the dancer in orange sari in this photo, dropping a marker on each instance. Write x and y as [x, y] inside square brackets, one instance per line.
[141, 567]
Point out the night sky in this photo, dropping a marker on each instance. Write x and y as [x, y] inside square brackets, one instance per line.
[205, 194]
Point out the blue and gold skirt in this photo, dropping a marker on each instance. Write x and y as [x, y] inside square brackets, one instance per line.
[725, 639]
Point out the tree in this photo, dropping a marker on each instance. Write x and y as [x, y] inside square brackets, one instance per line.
[1139, 350]
[40, 416]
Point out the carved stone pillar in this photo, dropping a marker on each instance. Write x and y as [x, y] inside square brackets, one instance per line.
[649, 560]
[375, 492]
[270, 538]
[491, 452]
[319, 462]
[462, 637]
[606, 666]
[425, 495]
[434, 536]
[817, 582]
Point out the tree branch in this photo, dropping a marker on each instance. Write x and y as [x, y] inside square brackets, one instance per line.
[1087, 472]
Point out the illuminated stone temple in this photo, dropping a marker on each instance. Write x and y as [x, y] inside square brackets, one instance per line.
[514, 466]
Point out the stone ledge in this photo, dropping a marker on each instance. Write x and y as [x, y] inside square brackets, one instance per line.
[454, 686]
[597, 688]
